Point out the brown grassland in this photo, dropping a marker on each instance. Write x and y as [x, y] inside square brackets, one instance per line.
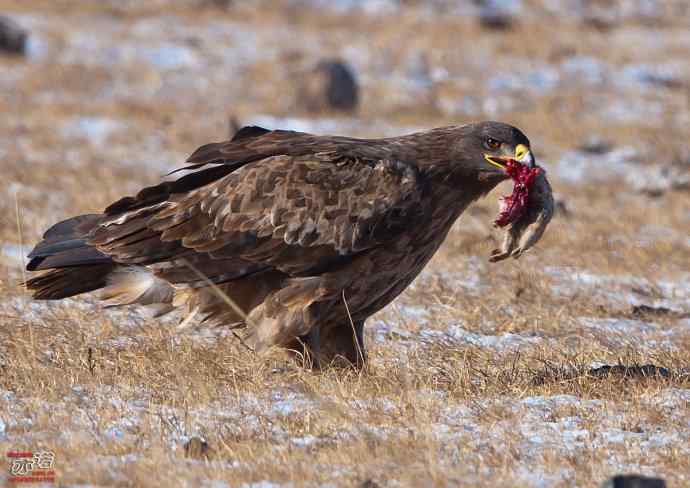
[478, 374]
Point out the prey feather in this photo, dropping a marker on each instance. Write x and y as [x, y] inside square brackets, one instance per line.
[527, 211]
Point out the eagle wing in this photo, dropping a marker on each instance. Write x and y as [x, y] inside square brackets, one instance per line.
[299, 214]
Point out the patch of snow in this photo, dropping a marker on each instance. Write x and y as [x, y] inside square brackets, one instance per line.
[384, 404]
[620, 326]
[644, 112]
[650, 235]
[367, 7]
[502, 342]
[418, 315]
[97, 130]
[170, 57]
[649, 75]
[541, 80]
[538, 478]
[623, 332]
[15, 252]
[215, 484]
[36, 47]
[286, 403]
[584, 167]
[305, 441]
[266, 484]
[672, 398]
[585, 70]
[621, 290]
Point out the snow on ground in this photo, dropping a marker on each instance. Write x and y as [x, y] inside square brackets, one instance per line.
[622, 290]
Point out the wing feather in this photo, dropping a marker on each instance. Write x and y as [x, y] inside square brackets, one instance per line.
[295, 212]
[296, 208]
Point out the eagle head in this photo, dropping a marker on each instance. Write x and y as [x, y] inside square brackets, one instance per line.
[491, 146]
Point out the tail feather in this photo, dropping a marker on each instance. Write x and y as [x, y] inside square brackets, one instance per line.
[64, 244]
[80, 255]
[67, 282]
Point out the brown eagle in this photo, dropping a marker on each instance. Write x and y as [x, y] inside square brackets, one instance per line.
[293, 237]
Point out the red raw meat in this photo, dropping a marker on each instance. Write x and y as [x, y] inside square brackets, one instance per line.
[513, 206]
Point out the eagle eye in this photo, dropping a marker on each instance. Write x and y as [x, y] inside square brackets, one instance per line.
[492, 143]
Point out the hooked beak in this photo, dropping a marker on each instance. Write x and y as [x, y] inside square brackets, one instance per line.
[522, 155]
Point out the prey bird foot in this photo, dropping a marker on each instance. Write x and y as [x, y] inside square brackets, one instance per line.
[498, 255]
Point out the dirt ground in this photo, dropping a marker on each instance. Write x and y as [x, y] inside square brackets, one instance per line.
[480, 374]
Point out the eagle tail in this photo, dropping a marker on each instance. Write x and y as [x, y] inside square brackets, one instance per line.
[75, 267]
[67, 282]
[65, 245]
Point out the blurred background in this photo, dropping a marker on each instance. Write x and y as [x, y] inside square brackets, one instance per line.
[119, 87]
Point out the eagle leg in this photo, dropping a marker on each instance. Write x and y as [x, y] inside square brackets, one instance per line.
[344, 345]
[312, 342]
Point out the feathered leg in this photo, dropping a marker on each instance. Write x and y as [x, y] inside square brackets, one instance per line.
[344, 342]
[312, 341]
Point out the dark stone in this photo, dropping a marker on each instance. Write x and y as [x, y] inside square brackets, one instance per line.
[219, 4]
[634, 481]
[330, 85]
[490, 19]
[12, 37]
[494, 15]
[555, 374]
[646, 311]
[369, 484]
[620, 370]
[596, 145]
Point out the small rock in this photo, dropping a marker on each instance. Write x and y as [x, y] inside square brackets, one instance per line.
[369, 484]
[498, 14]
[490, 19]
[596, 145]
[219, 4]
[634, 481]
[646, 311]
[12, 37]
[197, 448]
[331, 85]
[599, 20]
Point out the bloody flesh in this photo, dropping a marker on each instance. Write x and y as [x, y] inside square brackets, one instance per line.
[513, 206]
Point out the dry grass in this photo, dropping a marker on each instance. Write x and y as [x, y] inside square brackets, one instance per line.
[477, 373]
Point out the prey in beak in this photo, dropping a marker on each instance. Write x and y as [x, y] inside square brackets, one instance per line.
[520, 167]
[522, 155]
